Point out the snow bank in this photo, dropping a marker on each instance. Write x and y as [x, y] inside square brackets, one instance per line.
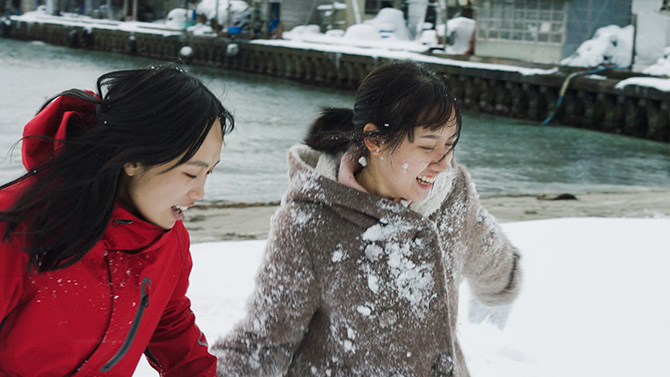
[240, 12]
[460, 31]
[610, 45]
[362, 36]
[662, 66]
[390, 22]
[593, 301]
[650, 82]
[393, 51]
[180, 18]
[386, 31]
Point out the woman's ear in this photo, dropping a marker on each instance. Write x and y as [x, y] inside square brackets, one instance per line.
[132, 168]
[372, 143]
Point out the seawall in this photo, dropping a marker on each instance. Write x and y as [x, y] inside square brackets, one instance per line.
[512, 89]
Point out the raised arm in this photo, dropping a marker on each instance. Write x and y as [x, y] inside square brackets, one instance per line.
[491, 265]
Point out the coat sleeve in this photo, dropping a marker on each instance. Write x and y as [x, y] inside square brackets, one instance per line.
[279, 311]
[178, 347]
[491, 265]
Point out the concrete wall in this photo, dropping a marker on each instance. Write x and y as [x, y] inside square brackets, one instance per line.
[535, 52]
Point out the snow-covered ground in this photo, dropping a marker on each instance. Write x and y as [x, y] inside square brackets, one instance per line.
[594, 302]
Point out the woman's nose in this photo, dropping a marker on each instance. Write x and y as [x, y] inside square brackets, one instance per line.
[197, 192]
[442, 162]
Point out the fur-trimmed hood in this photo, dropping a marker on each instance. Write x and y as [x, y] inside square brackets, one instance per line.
[306, 162]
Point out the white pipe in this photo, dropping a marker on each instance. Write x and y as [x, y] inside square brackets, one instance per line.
[357, 12]
[416, 13]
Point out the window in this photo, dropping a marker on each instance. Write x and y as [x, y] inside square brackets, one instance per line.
[540, 21]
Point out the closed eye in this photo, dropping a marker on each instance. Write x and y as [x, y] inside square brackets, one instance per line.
[191, 176]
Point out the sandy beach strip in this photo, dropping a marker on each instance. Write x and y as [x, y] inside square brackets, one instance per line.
[211, 222]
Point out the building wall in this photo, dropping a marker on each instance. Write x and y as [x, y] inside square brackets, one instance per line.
[300, 12]
[521, 29]
[543, 30]
[647, 6]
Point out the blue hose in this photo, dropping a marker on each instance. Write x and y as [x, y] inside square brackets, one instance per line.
[566, 82]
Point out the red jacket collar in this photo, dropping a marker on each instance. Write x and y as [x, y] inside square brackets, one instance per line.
[127, 232]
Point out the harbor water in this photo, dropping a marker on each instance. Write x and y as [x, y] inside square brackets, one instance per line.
[505, 156]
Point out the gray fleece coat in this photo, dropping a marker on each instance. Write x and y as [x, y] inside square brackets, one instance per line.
[352, 284]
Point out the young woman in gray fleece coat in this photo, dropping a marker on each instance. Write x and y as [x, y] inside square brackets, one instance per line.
[377, 230]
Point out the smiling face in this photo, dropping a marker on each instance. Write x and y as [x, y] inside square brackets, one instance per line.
[408, 171]
[160, 194]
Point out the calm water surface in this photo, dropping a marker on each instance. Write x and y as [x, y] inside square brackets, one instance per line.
[505, 156]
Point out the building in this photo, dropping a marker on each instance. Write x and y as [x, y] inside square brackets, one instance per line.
[543, 30]
[652, 36]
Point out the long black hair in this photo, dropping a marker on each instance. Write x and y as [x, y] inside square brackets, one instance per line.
[397, 98]
[147, 116]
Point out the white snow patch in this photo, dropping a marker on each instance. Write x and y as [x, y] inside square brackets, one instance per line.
[380, 232]
[651, 82]
[373, 252]
[610, 45]
[662, 65]
[337, 256]
[364, 310]
[349, 346]
[460, 31]
[238, 9]
[373, 283]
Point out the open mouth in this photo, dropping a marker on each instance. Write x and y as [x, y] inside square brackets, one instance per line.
[179, 210]
[425, 180]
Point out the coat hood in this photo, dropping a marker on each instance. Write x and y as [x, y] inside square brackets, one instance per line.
[313, 177]
[44, 135]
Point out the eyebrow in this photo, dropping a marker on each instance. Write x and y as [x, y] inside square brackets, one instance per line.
[435, 137]
[199, 163]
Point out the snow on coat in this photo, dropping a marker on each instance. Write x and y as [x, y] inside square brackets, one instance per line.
[126, 297]
[356, 285]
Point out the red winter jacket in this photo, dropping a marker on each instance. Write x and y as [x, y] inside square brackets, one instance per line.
[126, 297]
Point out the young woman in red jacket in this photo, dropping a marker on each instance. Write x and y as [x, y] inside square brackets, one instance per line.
[94, 258]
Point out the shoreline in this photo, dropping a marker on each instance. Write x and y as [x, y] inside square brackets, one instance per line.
[225, 221]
